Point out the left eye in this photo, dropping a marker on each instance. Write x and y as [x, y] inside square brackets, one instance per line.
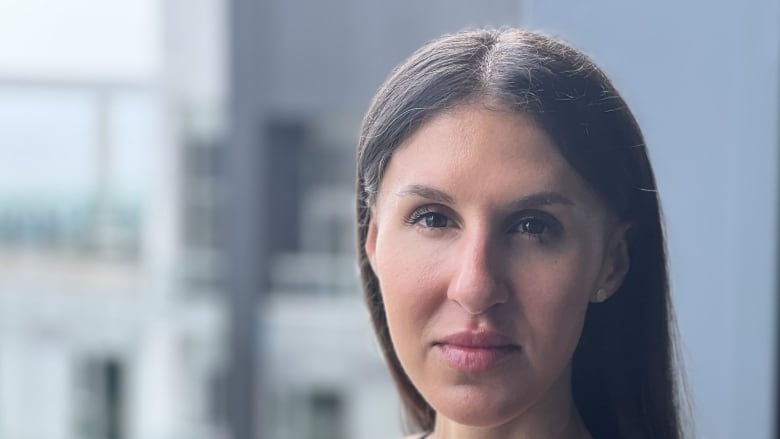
[532, 226]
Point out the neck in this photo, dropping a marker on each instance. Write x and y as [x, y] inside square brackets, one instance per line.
[553, 417]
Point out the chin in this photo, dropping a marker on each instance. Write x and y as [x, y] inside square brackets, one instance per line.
[477, 407]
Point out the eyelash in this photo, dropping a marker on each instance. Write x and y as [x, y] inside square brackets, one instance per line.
[526, 222]
[423, 212]
[523, 223]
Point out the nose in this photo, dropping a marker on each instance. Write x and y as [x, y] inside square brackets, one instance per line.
[476, 282]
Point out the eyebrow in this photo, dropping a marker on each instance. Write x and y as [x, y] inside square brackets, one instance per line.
[538, 199]
[426, 192]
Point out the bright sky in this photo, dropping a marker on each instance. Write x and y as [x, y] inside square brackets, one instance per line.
[81, 39]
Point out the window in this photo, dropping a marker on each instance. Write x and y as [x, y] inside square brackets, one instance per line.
[100, 399]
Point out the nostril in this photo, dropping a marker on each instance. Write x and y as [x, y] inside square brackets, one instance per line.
[475, 286]
[476, 270]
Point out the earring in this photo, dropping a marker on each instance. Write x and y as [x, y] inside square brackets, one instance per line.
[601, 295]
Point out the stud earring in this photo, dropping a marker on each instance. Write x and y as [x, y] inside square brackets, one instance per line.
[601, 295]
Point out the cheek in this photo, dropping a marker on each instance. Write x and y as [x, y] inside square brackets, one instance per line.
[554, 294]
[554, 290]
[408, 274]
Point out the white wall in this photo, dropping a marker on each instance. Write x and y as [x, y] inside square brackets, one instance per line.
[702, 78]
[36, 389]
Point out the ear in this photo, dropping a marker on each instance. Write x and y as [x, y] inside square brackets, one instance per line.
[616, 264]
[370, 244]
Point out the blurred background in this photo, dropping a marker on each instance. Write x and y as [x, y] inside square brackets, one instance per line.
[176, 231]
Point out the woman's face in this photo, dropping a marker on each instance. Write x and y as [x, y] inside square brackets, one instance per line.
[488, 247]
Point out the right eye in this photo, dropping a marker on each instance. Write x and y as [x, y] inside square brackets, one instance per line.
[429, 219]
[433, 220]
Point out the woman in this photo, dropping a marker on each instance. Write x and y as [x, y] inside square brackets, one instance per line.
[511, 246]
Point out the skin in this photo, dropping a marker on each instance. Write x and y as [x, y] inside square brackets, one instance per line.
[481, 225]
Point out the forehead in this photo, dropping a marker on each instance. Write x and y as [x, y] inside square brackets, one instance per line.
[483, 153]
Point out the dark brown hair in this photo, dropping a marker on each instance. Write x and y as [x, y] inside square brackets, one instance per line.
[624, 373]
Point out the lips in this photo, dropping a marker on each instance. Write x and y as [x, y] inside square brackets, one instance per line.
[476, 352]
